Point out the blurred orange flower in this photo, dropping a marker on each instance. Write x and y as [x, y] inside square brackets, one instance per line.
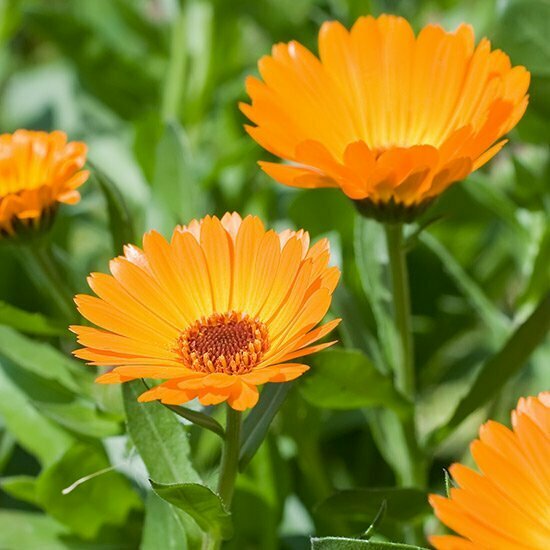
[507, 505]
[389, 118]
[37, 171]
[217, 311]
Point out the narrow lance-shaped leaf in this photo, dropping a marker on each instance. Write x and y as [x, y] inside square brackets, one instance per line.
[120, 222]
[336, 543]
[201, 503]
[496, 322]
[30, 323]
[256, 424]
[502, 366]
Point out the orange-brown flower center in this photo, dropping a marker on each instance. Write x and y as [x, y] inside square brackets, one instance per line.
[232, 343]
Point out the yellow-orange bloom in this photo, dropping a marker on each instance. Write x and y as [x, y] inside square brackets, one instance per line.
[507, 505]
[220, 309]
[37, 171]
[389, 118]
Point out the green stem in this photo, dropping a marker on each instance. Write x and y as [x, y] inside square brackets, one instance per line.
[228, 468]
[37, 259]
[402, 308]
[175, 76]
[414, 473]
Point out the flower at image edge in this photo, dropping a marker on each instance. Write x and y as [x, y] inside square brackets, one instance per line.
[223, 307]
[507, 504]
[38, 170]
[390, 118]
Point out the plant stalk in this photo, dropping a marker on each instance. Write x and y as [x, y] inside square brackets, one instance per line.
[401, 308]
[415, 473]
[37, 259]
[228, 468]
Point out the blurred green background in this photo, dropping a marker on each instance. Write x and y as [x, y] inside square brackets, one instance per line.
[152, 86]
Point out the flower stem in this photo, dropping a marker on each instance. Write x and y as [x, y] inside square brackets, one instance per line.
[414, 473]
[37, 259]
[228, 468]
[401, 308]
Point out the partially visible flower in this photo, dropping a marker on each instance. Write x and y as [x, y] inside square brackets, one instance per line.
[507, 505]
[38, 170]
[389, 118]
[220, 309]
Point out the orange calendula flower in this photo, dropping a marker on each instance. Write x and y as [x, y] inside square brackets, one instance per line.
[220, 309]
[37, 172]
[507, 505]
[391, 118]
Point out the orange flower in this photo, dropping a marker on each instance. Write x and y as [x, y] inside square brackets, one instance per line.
[37, 171]
[389, 118]
[507, 505]
[217, 311]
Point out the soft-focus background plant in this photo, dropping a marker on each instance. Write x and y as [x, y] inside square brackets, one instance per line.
[152, 87]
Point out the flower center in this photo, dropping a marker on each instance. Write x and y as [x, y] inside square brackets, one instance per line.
[231, 343]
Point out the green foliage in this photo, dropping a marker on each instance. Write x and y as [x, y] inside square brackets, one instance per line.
[334, 543]
[106, 498]
[153, 88]
[202, 504]
[347, 379]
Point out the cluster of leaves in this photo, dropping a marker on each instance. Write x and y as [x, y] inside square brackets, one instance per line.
[152, 86]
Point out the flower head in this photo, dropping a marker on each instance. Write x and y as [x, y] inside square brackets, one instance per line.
[391, 118]
[37, 172]
[220, 309]
[507, 505]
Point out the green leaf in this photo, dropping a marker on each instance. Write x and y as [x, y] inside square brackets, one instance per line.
[21, 487]
[159, 437]
[335, 543]
[495, 321]
[163, 527]
[104, 497]
[82, 417]
[256, 424]
[201, 503]
[31, 530]
[503, 366]
[31, 323]
[347, 379]
[33, 432]
[177, 195]
[120, 222]
[38, 358]
[403, 504]
[372, 265]
[199, 419]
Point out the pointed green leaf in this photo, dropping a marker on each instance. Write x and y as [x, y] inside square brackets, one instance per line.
[495, 321]
[256, 424]
[39, 358]
[372, 265]
[120, 222]
[20, 487]
[30, 323]
[39, 436]
[201, 503]
[502, 366]
[336, 543]
[159, 437]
